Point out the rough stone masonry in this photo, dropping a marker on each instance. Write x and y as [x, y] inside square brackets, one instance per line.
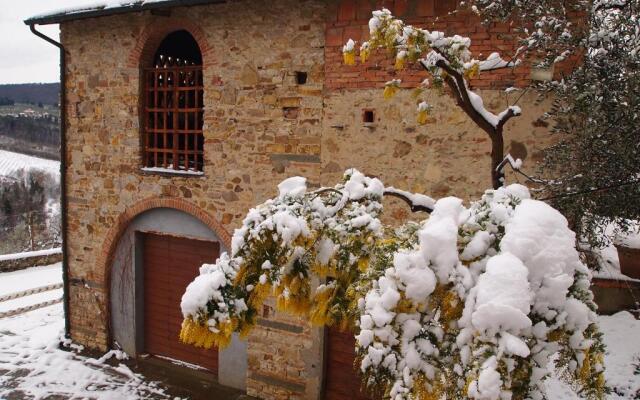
[262, 126]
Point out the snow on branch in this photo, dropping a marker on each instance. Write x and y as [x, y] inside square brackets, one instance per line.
[494, 61]
[416, 201]
[609, 5]
[470, 102]
[477, 294]
[516, 164]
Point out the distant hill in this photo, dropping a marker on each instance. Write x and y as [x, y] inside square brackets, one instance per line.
[34, 93]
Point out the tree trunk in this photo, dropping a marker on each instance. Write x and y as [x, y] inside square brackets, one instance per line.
[30, 228]
[497, 155]
[459, 88]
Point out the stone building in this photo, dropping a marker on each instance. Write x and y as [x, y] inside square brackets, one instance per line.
[157, 174]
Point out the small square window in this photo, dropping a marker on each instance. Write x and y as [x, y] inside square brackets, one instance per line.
[368, 116]
[301, 77]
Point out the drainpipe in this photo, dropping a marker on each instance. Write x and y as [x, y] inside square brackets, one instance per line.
[63, 177]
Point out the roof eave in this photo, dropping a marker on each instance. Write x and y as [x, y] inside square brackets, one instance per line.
[129, 8]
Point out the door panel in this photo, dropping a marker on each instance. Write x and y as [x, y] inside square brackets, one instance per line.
[170, 264]
[342, 381]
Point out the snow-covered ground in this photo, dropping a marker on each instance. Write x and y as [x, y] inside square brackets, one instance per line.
[622, 337]
[11, 162]
[30, 278]
[33, 366]
[622, 360]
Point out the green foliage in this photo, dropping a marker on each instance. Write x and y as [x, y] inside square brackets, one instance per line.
[5, 101]
[596, 116]
[42, 130]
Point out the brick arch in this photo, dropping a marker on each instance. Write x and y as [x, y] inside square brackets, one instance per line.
[122, 222]
[153, 33]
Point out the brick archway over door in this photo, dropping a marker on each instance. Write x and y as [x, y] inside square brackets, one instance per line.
[120, 225]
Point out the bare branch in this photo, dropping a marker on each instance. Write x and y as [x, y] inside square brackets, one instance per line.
[327, 190]
[417, 202]
[519, 97]
[458, 86]
[506, 116]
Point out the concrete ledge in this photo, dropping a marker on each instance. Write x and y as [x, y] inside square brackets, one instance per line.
[14, 262]
[184, 382]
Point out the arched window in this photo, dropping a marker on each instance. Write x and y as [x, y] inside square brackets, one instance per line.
[173, 96]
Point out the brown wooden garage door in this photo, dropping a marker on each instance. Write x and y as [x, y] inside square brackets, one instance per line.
[342, 382]
[170, 264]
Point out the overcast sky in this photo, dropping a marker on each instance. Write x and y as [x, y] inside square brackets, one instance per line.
[25, 57]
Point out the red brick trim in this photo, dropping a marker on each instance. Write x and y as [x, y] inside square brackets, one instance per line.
[149, 39]
[123, 221]
[349, 20]
[114, 234]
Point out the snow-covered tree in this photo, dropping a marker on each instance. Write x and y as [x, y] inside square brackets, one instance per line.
[592, 172]
[470, 303]
[595, 47]
[448, 61]
[595, 165]
[549, 31]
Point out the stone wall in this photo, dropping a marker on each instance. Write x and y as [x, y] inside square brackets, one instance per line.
[447, 156]
[285, 357]
[260, 127]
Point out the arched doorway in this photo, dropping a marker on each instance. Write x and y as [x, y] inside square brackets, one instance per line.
[157, 256]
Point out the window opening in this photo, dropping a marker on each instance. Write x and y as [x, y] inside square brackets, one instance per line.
[173, 112]
[368, 116]
[301, 77]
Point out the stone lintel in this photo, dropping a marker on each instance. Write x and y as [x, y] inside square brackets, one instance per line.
[282, 326]
[303, 158]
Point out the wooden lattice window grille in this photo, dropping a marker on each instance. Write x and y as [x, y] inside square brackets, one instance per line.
[173, 138]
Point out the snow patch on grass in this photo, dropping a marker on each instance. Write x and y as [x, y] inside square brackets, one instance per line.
[11, 162]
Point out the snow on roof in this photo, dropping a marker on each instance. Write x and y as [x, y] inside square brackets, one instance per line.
[107, 7]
